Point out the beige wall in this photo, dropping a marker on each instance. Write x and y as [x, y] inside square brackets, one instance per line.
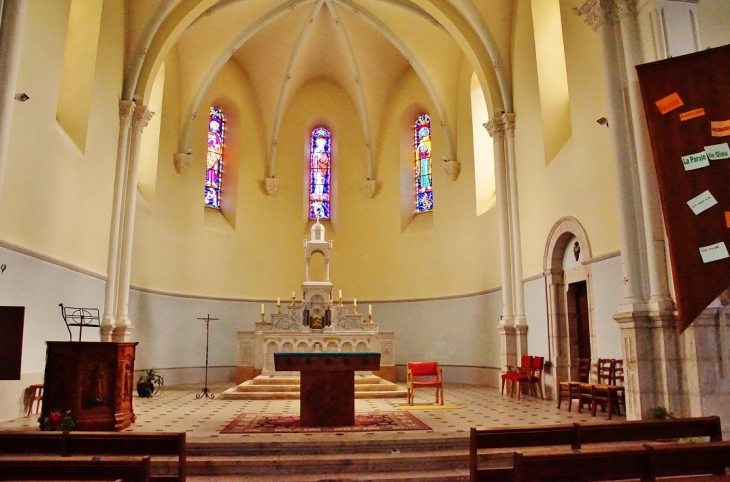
[255, 249]
[56, 200]
[580, 181]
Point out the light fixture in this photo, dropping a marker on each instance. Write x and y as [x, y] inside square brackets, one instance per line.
[603, 121]
[22, 97]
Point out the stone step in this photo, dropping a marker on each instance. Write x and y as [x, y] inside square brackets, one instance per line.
[461, 475]
[330, 464]
[361, 387]
[234, 394]
[284, 380]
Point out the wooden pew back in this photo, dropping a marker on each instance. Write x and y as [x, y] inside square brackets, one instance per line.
[577, 434]
[99, 443]
[127, 469]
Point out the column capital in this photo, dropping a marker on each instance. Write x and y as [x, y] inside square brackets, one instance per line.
[495, 127]
[597, 13]
[126, 109]
[624, 8]
[509, 124]
[142, 115]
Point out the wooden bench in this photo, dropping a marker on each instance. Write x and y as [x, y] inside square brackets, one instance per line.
[127, 469]
[577, 434]
[643, 463]
[99, 443]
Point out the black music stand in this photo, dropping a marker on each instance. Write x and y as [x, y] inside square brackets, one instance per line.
[206, 392]
[80, 317]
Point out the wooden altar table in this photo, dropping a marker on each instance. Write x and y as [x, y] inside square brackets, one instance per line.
[327, 384]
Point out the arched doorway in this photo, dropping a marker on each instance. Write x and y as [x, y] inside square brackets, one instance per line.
[569, 299]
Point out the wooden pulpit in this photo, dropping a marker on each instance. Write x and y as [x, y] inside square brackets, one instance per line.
[94, 380]
[327, 384]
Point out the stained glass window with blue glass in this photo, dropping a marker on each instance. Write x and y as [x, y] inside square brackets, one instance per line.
[320, 167]
[424, 184]
[214, 159]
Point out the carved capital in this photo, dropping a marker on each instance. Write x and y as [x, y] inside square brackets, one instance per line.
[495, 127]
[369, 186]
[142, 115]
[597, 13]
[272, 185]
[624, 8]
[452, 169]
[509, 124]
[182, 161]
[126, 109]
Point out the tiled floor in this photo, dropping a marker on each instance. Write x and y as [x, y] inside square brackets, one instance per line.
[176, 409]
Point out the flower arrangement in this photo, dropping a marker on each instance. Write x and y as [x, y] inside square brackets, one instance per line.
[57, 421]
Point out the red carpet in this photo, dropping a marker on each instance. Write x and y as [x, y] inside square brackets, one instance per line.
[364, 422]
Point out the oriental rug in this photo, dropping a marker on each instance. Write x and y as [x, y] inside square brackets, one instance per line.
[364, 422]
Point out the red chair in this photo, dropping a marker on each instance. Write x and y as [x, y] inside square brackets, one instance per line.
[423, 370]
[516, 374]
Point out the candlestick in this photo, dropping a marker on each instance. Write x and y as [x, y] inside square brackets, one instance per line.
[278, 306]
[370, 309]
[340, 294]
[293, 298]
[278, 301]
[293, 294]
[354, 302]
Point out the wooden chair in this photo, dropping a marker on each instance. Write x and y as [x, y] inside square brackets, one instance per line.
[35, 396]
[572, 389]
[514, 373]
[428, 370]
[604, 392]
[617, 386]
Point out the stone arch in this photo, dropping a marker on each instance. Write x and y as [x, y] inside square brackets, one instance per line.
[561, 286]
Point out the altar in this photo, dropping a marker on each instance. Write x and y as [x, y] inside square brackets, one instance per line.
[315, 324]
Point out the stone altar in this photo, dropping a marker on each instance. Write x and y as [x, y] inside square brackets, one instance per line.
[316, 324]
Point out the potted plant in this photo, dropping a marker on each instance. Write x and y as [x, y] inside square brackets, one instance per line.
[150, 383]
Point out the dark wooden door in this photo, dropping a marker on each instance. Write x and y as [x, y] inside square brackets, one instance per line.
[583, 319]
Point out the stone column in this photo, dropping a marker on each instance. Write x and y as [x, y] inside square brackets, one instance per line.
[12, 23]
[126, 109]
[496, 129]
[516, 243]
[632, 314]
[123, 325]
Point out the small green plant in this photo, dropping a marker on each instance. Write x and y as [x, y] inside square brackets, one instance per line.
[150, 383]
[659, 413]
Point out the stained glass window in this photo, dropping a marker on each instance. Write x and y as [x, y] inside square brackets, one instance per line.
[214, 163]
[320, 164]
[424, 186]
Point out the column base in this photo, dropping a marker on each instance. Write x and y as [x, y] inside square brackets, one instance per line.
[115, 333]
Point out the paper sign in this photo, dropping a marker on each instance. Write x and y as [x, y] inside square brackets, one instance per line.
[669, 103]
[718, 151]
[727, 219]
[695, 161]
[720, 128]
[714, 252]
[702, 202]
[691, 114]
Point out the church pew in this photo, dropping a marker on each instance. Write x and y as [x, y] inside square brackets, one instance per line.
[126, 469]
[645, 463]
[99, 443]
[577, 434]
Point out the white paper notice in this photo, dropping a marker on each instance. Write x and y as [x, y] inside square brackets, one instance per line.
[702, 202]
[718, 151]
[714, 252]
[695, 161]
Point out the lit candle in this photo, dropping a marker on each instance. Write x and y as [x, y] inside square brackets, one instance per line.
[370, 309]
[354, 302]
[340, 294]
[278, 301]
[262, 308]
[293, 295]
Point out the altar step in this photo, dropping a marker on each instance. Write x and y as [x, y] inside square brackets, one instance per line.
[436, 458]
[287, 388]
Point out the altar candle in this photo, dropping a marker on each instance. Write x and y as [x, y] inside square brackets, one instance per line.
[293, 295]
[354, 302]
[262, 308]
[278, 301]
[340, 294]
[370, 309]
